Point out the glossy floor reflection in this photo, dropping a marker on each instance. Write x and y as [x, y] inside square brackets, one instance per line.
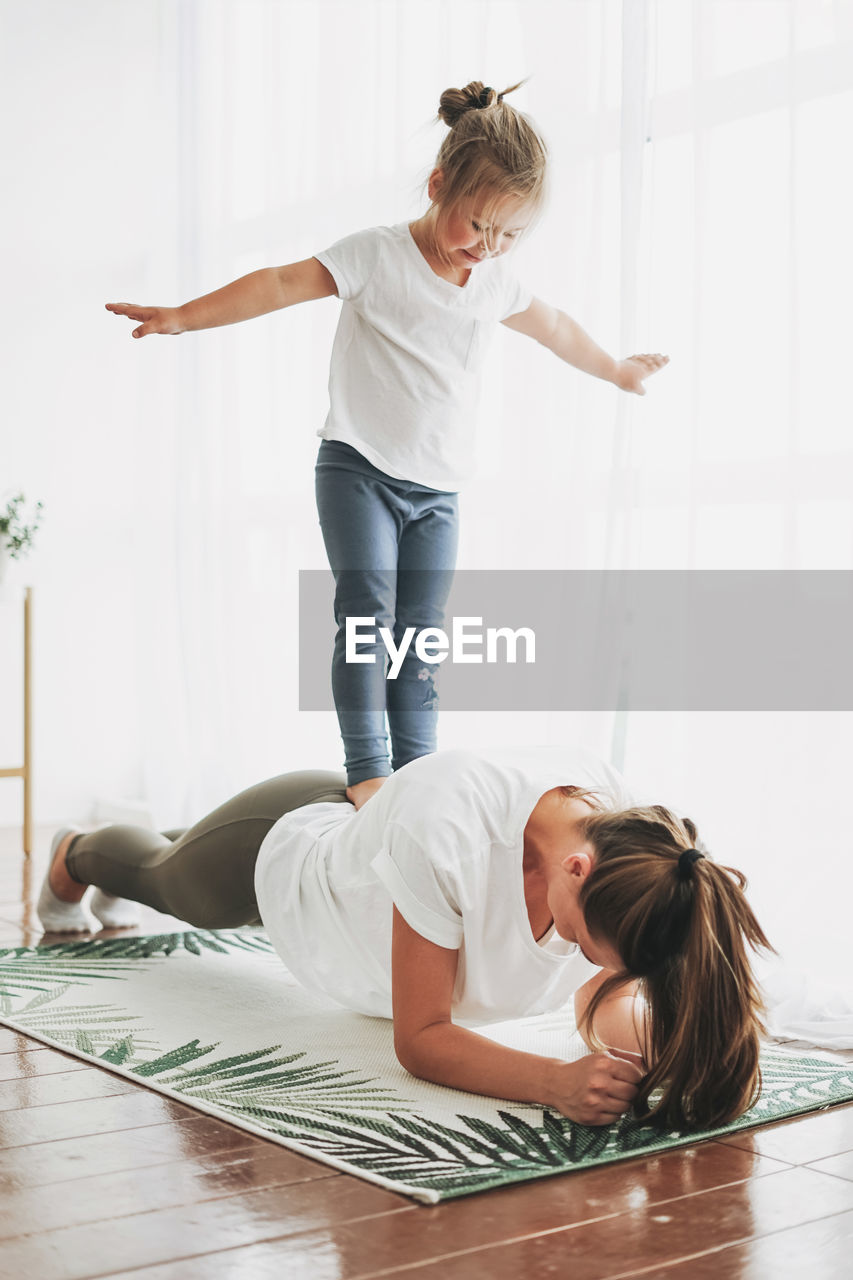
[101, 1177]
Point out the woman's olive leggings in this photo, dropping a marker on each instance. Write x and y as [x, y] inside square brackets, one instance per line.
[205, 875]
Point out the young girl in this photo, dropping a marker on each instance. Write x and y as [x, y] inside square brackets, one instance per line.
[474, 887]
[421, 300]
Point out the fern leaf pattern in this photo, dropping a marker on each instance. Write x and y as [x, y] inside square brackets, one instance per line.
[210, 1016]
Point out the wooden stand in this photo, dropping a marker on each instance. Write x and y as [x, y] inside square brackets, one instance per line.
[25, 770]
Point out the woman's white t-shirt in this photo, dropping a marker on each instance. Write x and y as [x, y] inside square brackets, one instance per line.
[408, 352]
[443, 841]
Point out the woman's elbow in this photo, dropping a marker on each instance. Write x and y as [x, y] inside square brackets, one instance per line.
[417, 1052]
[406, 1053]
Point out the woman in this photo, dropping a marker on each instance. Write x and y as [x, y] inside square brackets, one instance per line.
[474, 887]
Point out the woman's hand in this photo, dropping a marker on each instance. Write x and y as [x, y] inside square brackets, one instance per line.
[630, 373]
[156, 319]
[597, 1089]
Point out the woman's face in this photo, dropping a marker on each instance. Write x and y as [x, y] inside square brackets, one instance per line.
[600, 953]
[564, 900]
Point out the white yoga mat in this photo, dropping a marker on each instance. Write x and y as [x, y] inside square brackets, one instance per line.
[212, 1018]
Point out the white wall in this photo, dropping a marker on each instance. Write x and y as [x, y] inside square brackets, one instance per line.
[88, 116]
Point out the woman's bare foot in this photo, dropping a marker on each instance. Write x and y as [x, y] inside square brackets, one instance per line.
[66, 889]
[360, 792]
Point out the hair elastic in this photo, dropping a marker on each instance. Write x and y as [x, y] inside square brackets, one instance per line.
[483, 99]
[686, 860]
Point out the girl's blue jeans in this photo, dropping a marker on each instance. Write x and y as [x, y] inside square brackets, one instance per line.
[392, 549]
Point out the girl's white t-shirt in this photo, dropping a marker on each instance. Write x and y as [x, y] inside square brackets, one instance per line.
[408, 352]
[443, 841]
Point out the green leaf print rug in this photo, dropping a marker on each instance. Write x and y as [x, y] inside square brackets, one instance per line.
[212, 1018]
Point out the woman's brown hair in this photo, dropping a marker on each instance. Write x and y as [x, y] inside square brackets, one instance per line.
[681, 926]
[492, 152]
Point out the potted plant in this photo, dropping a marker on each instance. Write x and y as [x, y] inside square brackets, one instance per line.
[16, 535]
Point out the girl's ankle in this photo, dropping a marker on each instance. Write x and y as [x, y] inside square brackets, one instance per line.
[360, 792]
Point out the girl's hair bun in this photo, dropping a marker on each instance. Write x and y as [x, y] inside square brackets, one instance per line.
[475, 96]
[491, 152]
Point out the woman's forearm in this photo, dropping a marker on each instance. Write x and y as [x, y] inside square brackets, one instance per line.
[596, 1089]
[451, 1055]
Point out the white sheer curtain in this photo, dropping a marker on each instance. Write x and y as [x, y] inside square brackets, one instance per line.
[293, 145]
[88, 418]
[700, 206]
[285, 155]
[747, 460]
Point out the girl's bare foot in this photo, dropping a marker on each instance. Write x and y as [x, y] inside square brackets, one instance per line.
[360, 792]
[66, 889]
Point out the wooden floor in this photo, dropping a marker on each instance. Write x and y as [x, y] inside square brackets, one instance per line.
[101, 1177]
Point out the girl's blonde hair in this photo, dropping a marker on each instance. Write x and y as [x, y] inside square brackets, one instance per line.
[682, 927]
[492, 152]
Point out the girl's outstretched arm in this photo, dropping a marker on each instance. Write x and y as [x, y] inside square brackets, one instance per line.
[243, 299]
[564, 336]
[595, 1090]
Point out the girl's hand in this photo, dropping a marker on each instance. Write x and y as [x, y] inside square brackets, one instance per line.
[156, 319]
[631, 372]
[596, 1089]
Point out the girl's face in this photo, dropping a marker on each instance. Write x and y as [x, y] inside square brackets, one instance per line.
[467, 237]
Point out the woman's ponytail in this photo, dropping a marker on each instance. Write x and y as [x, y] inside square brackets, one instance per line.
[705, 1010]
[682, 925]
